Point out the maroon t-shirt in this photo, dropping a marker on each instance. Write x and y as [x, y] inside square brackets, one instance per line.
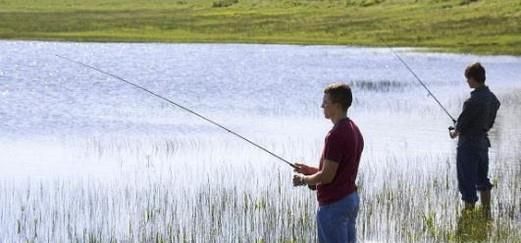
[344, 145]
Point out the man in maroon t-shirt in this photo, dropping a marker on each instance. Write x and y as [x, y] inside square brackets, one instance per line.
[335, 177]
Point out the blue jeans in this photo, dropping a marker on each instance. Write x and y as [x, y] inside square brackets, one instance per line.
[336, 221]
[472, 168]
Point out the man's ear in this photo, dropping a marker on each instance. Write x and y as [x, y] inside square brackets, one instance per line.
[339, 106]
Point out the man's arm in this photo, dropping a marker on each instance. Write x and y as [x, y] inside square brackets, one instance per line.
[324, 176]
[470, 110]
[305, 169]
[495, 107]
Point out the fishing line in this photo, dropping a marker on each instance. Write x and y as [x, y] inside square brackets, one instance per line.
[422, 83]
[180, 106]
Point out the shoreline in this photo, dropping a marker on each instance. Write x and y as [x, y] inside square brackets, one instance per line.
[449, 26]
[430, 50]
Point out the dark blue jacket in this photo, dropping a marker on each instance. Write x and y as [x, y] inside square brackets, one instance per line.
[477, 118]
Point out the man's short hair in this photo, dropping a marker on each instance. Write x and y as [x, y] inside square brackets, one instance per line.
[476, 71]
[340, 93]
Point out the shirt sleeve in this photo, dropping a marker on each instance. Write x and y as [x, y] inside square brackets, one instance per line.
[470, 110]
[333, 151]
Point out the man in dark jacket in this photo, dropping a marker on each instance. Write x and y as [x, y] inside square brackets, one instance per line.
[472, 126]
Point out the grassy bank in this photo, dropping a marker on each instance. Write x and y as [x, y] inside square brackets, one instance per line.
[485, 27]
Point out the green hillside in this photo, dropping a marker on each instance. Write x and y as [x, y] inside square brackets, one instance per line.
[484, 27]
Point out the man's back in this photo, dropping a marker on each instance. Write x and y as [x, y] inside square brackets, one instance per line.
[478, 117]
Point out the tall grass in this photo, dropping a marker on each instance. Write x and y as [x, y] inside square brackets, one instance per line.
[204, 189]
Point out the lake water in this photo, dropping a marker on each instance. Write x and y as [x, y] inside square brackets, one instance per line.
[67, 131]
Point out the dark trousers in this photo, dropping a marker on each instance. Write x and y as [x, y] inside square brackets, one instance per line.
[472, 168]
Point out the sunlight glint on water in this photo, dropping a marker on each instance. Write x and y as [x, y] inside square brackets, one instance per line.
[86, 157]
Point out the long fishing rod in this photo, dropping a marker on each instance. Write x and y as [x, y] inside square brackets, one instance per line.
[180, 106]
[423, 84]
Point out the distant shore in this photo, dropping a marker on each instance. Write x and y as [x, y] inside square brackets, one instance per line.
[463, 26]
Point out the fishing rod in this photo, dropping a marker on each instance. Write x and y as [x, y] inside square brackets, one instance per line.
[180, 106]
[423, 84]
